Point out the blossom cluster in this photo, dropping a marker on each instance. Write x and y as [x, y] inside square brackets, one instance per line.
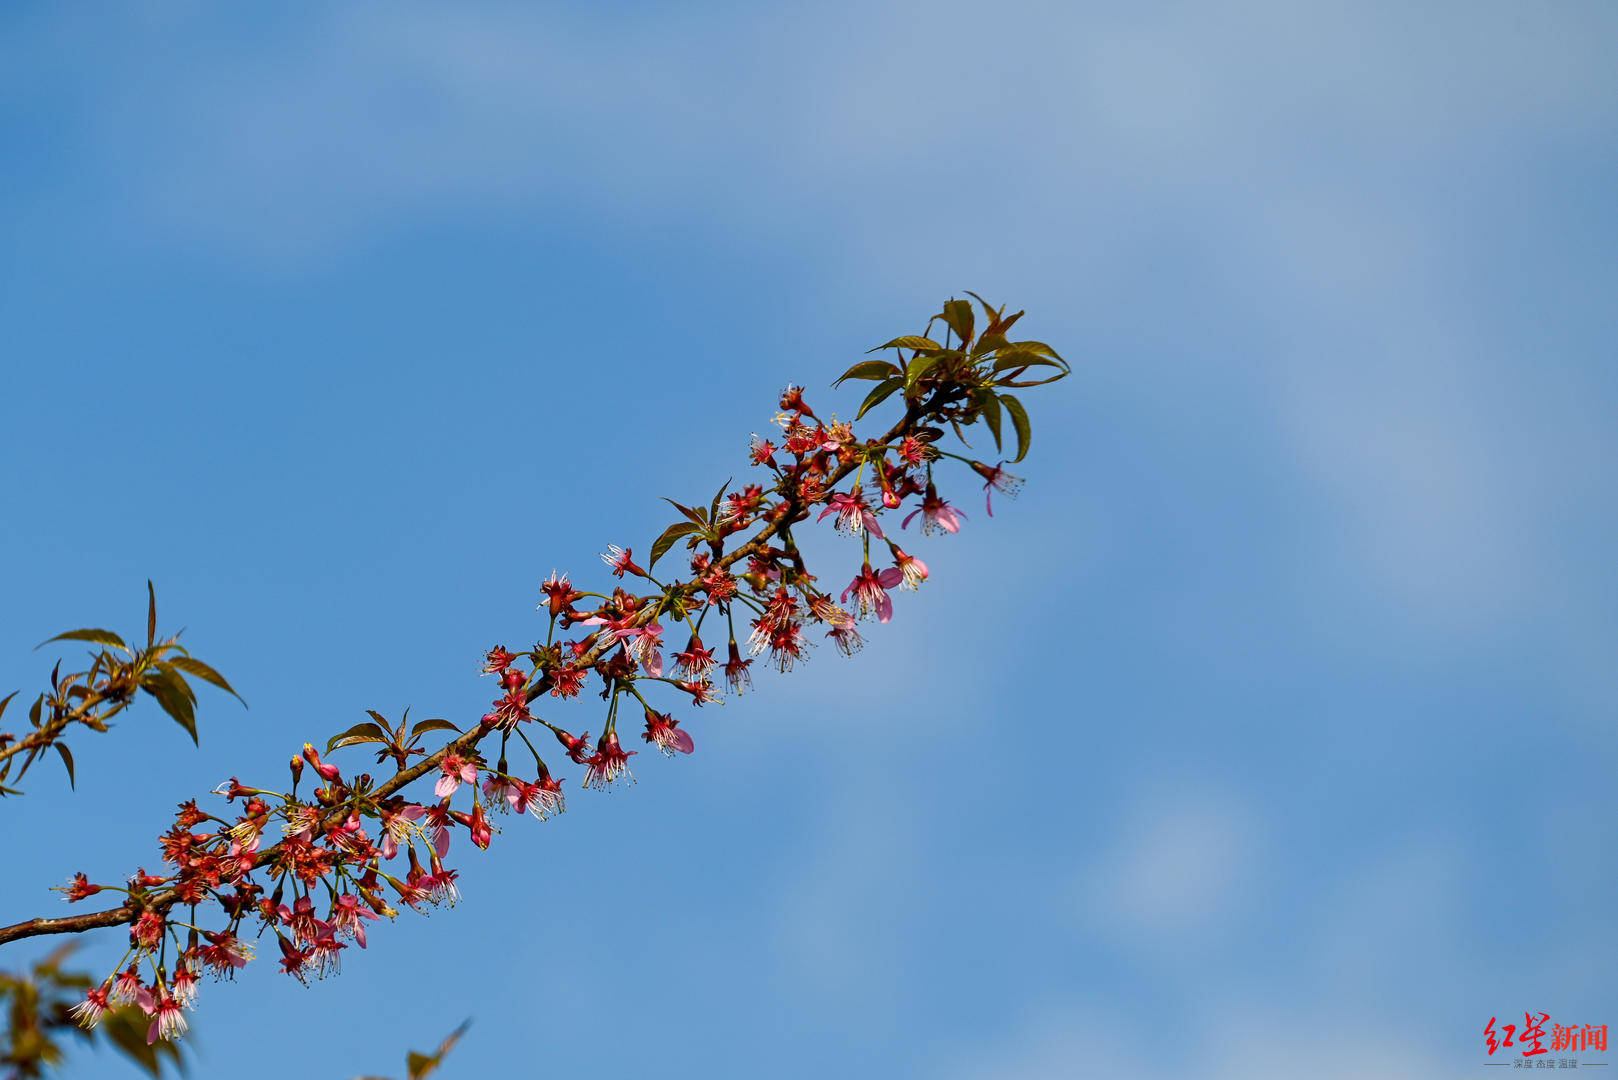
[306, 875]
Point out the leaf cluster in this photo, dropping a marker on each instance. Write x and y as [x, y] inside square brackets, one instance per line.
[38, 1010]
[973, 373]
[118, 673]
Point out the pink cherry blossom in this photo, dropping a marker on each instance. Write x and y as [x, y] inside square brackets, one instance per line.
[456, 771]
[870, 590]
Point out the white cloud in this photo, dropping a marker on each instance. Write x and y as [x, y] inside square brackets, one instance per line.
[1181, 864]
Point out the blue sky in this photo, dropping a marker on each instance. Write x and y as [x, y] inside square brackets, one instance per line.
[1269, 733]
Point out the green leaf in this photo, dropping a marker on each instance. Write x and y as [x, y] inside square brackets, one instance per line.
[100, 637]
[990, 405]
[420, 1065]
[988, 309]
[67, 760]
[879, 393]
[868, 369]
[1019, 420]
[1037, 347]
[185, 687]
[909, 341]
[151, 613]
[697, 516]
[1006, 360]
[435, 724]
[173, 695]
[359, 733]
[920, 366]
[202, 671]
[661, 545]
[713, 507]
[1000, 326]
[989, 343]
[958, 314]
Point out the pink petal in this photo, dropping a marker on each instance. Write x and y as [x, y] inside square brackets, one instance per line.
[871, 526]
[913, 513]
[890, 577]
[884, 608]
[446, 785]
[441, 841]
[682, 741]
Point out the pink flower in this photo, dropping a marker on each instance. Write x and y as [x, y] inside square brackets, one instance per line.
[126, 986]
[618, 559]
[293, 959]
[870, 591]
[913, 569]
[147, 931]
[498, 660]
[80, 889]
[168, 1021]
[323, 953]
[645, 649]
[438, 820]
[224, 953]
[662, 731]
[185, 986]
[609, 764]
[737, 677]
[347, 918]
[511, 710]
[456, 771]
[940, 516]
[846, 638]
[696, 661]
[399, 825]
[996, 479]
[300, 919]
[542, 799]
[701, 690]
[94, 1006]
[852, 514]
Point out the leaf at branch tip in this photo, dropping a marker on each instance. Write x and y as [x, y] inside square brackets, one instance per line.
[100, 637]
[920, 366]
[958, 314]
[868, 369]
[1007, 359]
[151, 613]
[202, 671]
[173, 695]
[1019, 420]
[67, 760]
[879, 393]
[420, 1065]
[661, 545]
[697, 516]
[990, 406]
[909, 341]
[7, 701]
[713, 507]
[435, 724]
[1037, 347]
[359, 733]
